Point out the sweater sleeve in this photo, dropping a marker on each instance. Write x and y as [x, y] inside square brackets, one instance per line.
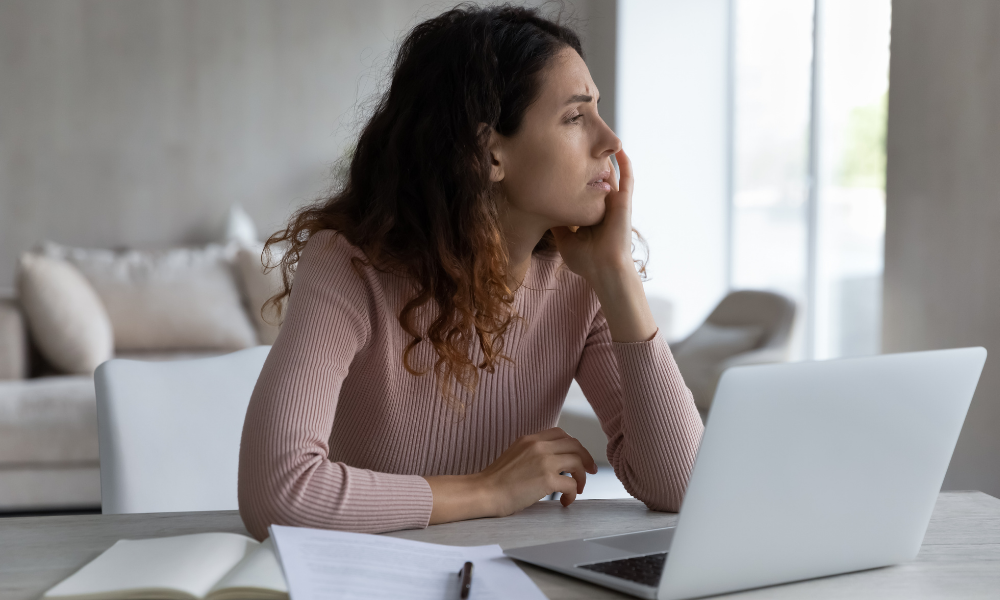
[646, 411]
[285, 474]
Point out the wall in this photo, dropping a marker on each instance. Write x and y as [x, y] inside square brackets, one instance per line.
[140, 123]
[942, 273]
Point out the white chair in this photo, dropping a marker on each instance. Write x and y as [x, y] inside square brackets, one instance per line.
[169, 432]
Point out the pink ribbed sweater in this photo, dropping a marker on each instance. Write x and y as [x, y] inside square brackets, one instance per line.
[338, 433]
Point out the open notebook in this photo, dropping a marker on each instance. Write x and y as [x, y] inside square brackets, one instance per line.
[213, 566]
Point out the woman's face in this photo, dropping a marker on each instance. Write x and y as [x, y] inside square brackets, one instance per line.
[555, 170]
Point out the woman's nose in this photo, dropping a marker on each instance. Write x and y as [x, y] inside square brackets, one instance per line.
[608, 142]
[616, 146]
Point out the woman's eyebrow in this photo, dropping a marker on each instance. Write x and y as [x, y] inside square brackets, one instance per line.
[581, 98]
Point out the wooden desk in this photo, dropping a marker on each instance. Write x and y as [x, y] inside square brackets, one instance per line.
[960, 557]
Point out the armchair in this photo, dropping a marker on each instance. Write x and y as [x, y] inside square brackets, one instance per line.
[747, 327]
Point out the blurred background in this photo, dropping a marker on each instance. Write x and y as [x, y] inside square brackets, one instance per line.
[759, 131]
[139, 124]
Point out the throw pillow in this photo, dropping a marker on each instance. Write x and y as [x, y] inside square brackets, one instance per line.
[66, 317]
[698, 358]
[176, 299]
[258, 287]
[240, 227]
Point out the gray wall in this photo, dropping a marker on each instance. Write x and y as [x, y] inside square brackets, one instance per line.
[140, 123]
[942, 242]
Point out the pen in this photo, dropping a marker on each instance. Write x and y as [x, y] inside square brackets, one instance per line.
[466, 574]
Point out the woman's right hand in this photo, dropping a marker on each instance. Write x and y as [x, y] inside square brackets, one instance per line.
[530, 469]
[526, 472]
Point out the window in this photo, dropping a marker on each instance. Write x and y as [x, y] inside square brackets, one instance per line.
[853, 90]
[760, 163]
[772, 73]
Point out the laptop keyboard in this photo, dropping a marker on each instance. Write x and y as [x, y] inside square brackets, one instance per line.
[640, 569]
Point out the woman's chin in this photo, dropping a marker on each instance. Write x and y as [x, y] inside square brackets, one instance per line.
[582, 223]
[592, 215]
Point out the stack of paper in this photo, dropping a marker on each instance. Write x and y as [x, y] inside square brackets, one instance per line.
[322, 564]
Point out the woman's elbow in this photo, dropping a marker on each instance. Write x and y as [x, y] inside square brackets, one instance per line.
[259, 505]
[255, 519]
[668, 503]
[263, 494]
[659, 491]
[658, 495]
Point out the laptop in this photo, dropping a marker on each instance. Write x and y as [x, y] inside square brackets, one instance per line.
[805, 470]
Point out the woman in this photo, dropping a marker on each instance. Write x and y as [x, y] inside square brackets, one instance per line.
[443, 302]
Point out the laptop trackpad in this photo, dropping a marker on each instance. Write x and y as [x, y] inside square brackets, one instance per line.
[644, 542]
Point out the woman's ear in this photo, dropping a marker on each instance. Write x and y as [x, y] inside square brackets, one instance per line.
[495, 147]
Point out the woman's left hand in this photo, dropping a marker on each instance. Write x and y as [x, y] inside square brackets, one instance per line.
[606, 247]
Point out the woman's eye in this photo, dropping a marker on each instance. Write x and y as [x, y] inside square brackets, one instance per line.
[575, 119]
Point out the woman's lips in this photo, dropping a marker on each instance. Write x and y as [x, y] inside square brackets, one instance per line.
[601, 181]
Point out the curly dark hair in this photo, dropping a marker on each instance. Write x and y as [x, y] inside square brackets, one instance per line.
[416, 197]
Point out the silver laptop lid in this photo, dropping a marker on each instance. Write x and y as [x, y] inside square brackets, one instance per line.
[816, 468]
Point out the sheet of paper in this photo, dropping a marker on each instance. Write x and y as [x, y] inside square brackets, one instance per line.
[327, 565]
[189, 563]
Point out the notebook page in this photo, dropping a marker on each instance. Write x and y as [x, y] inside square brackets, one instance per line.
[321, 565]
[188, 563]
[259, 570]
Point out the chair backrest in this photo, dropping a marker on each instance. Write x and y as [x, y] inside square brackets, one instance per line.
[169, 432]
[774, 312]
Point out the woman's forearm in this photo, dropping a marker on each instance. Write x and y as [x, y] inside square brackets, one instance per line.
[459, 497]
[624, 304]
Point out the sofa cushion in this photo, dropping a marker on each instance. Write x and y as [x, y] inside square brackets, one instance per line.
[181, 298]
[50, 487]
[259, 285]
[13, 341]
[48, 420]
[65, 316]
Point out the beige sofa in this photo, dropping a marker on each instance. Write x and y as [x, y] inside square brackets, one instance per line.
[158, 305]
